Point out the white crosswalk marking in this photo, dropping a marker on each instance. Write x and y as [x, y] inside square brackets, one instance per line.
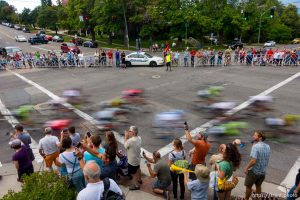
[13, 122]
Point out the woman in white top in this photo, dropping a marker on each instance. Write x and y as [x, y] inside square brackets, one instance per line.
[177, 154]
[69, 159]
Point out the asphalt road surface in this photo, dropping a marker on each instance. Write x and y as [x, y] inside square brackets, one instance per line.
[165, 91]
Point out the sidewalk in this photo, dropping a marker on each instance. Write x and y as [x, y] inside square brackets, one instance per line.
[9, 182]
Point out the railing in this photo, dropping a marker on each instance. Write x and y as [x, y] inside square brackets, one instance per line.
[180, 60]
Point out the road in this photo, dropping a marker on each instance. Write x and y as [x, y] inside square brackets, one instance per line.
[165, 91]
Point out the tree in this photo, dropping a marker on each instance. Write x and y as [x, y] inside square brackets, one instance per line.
[46, 3]
[280, 33]
[7, 12]
[290, 18]
[47, 17]
[25, 16]
[34, 15]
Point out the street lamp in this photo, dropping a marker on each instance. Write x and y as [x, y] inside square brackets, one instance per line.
[258, 38]
[126, 28]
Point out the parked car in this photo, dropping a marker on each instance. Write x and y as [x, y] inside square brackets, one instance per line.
[49, 37]
[11, 51]
[296, 41]
[66, 47]
[143, 59]
[37, 40]
[20, 38]
[236, 44]
[26, 30]
[17, 27]
[57, 38]
[11, 25]
[78, 41]
[270, 44]
[90, 44]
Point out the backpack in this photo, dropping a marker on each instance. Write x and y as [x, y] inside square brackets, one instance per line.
[108, 194]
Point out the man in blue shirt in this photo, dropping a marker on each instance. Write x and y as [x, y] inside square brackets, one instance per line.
[117, 55]
[256, 168]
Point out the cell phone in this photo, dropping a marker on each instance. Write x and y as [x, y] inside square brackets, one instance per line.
[79, 145]
[88, 134]
[186, 127]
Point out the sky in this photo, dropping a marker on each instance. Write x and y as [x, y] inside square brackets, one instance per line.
[21, 4]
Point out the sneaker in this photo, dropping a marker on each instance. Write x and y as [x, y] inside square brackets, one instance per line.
[167, 195]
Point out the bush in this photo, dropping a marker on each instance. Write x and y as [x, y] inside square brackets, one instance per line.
[42, 186]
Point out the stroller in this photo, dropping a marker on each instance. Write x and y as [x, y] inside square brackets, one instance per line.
[122, 166]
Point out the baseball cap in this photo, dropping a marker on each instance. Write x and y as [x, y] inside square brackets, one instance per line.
[14, 143]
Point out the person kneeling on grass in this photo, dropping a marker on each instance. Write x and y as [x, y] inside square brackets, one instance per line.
[161, 171]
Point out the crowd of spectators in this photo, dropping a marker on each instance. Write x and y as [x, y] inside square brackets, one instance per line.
[93, 166]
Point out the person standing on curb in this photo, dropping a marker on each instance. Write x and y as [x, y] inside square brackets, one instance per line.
[25, 138]
[117, 55]
[201, 148]
[256, 168]
[294, 192]
[21, 160]
[133, 144]
[48, 148]
[168, 60]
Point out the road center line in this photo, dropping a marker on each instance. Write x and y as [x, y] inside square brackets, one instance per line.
[83, 115]
[168, 148]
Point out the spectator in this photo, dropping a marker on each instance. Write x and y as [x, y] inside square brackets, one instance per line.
[95, 187]
[69, 159]
[110, 57]
[231, 161]
[48, 148]
[168, 61]
[96, 146]
[25, 138]
[199, 187]
[133, 144]
[103, 58]
[176, 57]
[256, 168]
[162, 172]
[201, 148]
[111, 141]
[117, 55]
[177, 154]
[123, 55]
[74, 136]
[20, 159]
[193, 53]
[108, 158]
[294, 192]
[186, 58]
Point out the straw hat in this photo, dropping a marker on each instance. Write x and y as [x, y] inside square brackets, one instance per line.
[202, 173]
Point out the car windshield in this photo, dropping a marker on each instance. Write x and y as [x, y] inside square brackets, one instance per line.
[13, 50]
[148, 55]
[71, 45]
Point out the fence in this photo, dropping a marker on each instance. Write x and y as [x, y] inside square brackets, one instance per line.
[179, 60]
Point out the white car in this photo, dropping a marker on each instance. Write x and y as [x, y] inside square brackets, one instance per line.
[20, 38]
[270, 44]
[143, 59]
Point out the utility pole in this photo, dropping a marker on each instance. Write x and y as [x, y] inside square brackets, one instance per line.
[273, 8]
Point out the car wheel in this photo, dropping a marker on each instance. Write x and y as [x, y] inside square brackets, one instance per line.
[128, 64]
[153, 64]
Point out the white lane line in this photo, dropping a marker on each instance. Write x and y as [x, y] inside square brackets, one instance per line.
[168, 148]
[13, 122]
[289, 180]
[83, 115]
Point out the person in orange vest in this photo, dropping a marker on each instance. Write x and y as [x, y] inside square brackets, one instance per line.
[168, 61]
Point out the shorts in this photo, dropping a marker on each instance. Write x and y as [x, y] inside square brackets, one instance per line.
[160, 185]
[49, 159]
[132, 169]
[252, 178]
